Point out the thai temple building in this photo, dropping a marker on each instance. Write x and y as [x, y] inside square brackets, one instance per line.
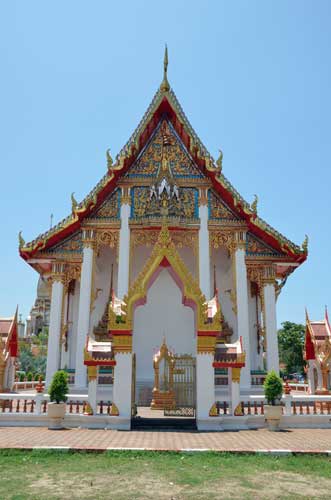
[317, 353]
[164, 280]
[8, 352]
[38, 319]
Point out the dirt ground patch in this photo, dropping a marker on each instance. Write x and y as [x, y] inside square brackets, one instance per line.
[165, 476]
[265, 486]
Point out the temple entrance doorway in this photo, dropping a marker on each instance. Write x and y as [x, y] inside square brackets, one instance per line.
[164, 397]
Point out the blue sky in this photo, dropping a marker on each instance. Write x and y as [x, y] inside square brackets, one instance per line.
[253, 78]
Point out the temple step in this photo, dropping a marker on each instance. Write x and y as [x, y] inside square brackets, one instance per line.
[144, 393]
[164, 424]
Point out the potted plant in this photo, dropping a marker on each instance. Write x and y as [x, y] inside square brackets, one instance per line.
[58, 396]
[273, 390]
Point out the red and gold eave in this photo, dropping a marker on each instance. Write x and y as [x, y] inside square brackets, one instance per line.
[11, 340]
[165, 103]
[316, 333]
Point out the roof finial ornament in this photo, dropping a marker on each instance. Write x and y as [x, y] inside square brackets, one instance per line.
[254, 204]
[304, 245]
[109, 160]
[165, 84]
[21, 240]
[219, 161]
[74, 203]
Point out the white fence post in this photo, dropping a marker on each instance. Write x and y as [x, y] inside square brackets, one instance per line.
[38, 400]
[288, 403]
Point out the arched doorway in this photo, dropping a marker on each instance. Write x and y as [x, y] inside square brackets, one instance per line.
[163, 317]
[121, 322]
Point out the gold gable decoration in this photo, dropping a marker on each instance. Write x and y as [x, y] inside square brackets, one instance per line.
[219, 210]
[165, 248]
[164, 147]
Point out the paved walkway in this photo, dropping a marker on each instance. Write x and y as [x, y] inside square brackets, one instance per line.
[296, 440]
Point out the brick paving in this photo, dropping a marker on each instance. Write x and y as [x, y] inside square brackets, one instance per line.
[294, 440]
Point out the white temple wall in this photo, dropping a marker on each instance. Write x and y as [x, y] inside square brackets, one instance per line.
[73, 322]
[190, 260]
[101, 283]
[140, 255]
[224, 281]
[163, 315]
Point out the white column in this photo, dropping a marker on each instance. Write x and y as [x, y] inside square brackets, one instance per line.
[242, 307]
[92, 394]
[64, 361]
[204, 254]
[319, 378]
[124, 248]
[269, 294]
[11, 374]
[234, 377]
[84, 309]
[310, 376]
[122, 383]
[205, 382]
[54, 332]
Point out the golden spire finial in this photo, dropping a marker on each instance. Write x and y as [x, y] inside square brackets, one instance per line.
[219, 161]
[74, 203]
[254, 204]
[109, 160]
[21, 240]
[165, 84]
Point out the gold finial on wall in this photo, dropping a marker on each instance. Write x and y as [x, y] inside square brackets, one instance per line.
[165, 84]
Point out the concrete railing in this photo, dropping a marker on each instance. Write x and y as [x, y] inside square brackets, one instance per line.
[36, 404]
[292, 404]
[26, 384]
[298, 387]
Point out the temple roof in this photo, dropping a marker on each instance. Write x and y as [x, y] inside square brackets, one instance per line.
[8, 337]
[164, 104]
[317, 334]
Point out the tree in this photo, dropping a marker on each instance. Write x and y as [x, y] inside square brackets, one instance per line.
[26, 359]
[30, 363]
[273, 388]
[291, 338]
[59, 387]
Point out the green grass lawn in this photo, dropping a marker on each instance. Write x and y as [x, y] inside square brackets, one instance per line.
[167, 475]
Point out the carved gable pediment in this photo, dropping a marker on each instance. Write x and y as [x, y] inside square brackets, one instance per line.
[110, 208]
[256, 247]
[218, 210]
[164, 141]
[70, 246]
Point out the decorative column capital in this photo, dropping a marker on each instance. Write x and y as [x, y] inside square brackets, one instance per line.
[125, 196]
[239, 240]
[255, 274]
[92, 372]
[88, 238]
[203, 196]
[72, 272]
[122, 343]
[236, 375]
[269, 275]
[206, 344]
[58, 273]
